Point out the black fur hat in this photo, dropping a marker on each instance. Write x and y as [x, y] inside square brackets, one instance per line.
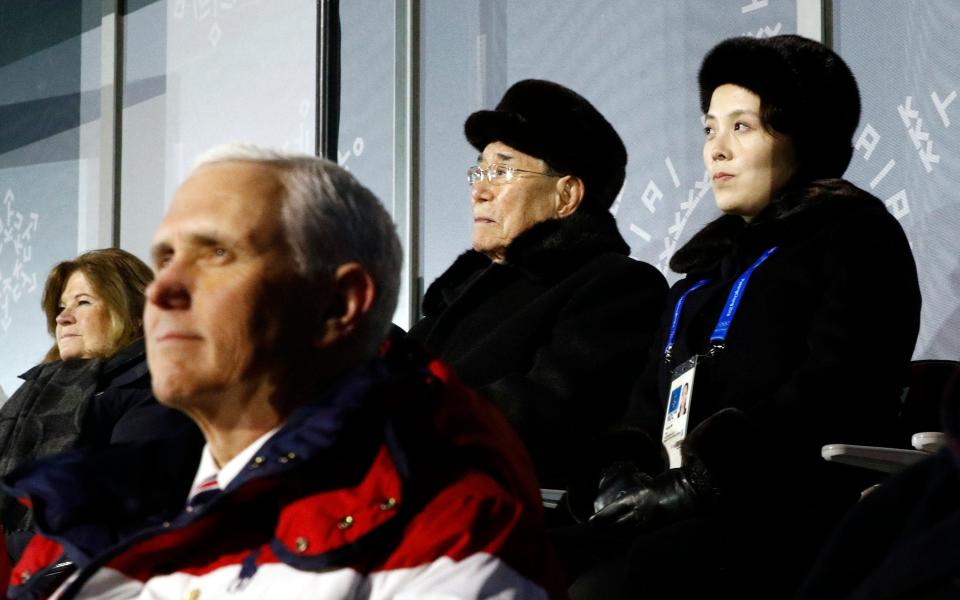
[559, 126]
[806, 91]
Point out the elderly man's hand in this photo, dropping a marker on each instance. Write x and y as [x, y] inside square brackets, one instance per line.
[645, 503]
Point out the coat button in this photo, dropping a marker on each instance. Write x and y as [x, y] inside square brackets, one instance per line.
[25, 576]
[345, 522]
[388, 504]
[287, 457]
[256, 462]
[302, 544]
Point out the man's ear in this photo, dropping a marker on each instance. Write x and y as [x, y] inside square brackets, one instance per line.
[570, 191]
[353, 293]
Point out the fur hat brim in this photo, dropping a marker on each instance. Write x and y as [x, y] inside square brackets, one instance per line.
[559, 126]
[486, 126]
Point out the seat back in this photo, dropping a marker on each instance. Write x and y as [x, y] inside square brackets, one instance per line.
[921, 407]
[921, 415]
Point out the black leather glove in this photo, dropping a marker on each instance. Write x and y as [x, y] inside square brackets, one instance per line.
[614, 453]
[666, 498]
[619, 480]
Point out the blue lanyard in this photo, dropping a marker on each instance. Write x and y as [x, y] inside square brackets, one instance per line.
[672, 336]
[719, 335]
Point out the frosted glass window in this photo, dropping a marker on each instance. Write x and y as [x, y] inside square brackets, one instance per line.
[49, 112]
[199, 73]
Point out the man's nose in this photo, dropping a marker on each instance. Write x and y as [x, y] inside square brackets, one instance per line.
[170, 288]
[481, 191]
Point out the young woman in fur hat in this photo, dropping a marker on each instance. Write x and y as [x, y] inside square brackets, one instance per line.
[794, 327]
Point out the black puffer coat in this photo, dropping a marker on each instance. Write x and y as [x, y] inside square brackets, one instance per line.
[554, 336]
[818, 352]
[81, 403]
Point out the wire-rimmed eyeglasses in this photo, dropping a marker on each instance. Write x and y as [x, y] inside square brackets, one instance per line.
[499, 173]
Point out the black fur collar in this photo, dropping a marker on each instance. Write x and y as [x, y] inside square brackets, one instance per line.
[555, 246]
[545, 251]
[791, 214]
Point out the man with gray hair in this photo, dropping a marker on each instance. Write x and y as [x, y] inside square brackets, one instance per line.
[336, 465]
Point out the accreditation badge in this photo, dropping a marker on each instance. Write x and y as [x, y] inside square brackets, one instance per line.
[678, 410]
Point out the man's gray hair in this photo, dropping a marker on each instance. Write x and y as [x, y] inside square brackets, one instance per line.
[330, 219]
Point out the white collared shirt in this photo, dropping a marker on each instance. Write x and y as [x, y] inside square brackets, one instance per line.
[226, 473]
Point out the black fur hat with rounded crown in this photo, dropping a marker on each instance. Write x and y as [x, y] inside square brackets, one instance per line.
[806, 91]
[559, 126]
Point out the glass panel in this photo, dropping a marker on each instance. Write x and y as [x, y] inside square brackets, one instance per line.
[204, 72]
[904, 54]
[49, 113]
[365, 143]
[366, 139]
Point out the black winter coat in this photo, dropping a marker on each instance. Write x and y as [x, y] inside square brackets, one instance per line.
[554, 335]
[818, 352]
[899, 543]
[70, 404]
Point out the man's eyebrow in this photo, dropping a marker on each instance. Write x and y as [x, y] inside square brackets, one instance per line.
[159, 250]
[205, 239]
[498, 157]
[200, 239]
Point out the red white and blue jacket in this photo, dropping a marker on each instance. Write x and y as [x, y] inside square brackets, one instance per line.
[395, 483]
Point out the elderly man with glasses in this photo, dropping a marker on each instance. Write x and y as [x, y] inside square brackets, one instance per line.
[547, 315]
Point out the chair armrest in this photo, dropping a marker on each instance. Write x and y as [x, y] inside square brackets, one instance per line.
[928, 441]
[876, 458]
[551, 497]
